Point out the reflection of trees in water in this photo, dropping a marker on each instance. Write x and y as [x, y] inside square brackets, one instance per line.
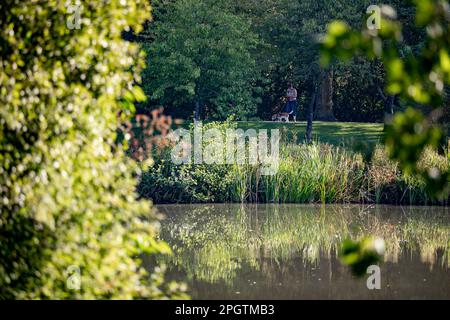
[213, 242]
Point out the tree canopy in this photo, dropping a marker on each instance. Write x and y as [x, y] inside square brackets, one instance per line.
[236, 57]
[200, 60]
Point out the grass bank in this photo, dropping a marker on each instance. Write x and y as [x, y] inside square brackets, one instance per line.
[347, 134]
[320, 172]
[350, 135]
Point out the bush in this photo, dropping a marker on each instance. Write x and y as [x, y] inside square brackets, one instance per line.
[166, 182]
[67, 194]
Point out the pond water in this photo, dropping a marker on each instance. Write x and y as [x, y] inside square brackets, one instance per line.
[291, 251]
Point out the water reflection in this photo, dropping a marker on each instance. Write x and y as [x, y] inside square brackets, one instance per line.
[290, 251]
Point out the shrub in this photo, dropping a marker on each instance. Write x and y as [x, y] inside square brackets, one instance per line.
[166, 182]
[67, 194]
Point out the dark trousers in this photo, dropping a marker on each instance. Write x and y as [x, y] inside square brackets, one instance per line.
[291, 107]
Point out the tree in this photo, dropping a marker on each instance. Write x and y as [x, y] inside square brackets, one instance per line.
[312, 18]
[68, 209]
[357, 94]
[324, 104]
[289, 50]
[201, 60]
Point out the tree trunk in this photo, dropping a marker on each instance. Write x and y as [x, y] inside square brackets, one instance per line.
[389, 108]
[389, 102]
[197, 110]
[324, 109]
[309, 116]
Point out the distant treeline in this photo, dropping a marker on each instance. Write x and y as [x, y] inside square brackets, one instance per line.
[221, 57]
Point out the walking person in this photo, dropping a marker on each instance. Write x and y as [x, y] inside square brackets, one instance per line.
[291, 104]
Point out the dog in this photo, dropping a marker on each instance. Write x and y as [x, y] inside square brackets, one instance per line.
[282, 116]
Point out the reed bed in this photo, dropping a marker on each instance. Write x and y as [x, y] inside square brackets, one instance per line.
[314, 173]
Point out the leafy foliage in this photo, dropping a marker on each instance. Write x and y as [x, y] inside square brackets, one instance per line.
[145, 135]
[167, 182]
[289, 49]
[66, 191]
[274, 42]
[201, 54]
[356, 94]
[361, 254]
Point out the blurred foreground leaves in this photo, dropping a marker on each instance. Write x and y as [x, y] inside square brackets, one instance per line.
[359, 255]
[67, 192]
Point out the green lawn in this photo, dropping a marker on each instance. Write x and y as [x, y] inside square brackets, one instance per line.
[336, 133]
[352, 135]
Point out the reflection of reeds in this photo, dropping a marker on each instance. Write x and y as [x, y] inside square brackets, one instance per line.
[212, 243]
[428, 237]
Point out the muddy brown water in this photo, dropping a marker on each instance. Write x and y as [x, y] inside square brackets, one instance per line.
[228, 251]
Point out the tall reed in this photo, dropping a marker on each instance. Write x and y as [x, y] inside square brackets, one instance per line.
[306, 173]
